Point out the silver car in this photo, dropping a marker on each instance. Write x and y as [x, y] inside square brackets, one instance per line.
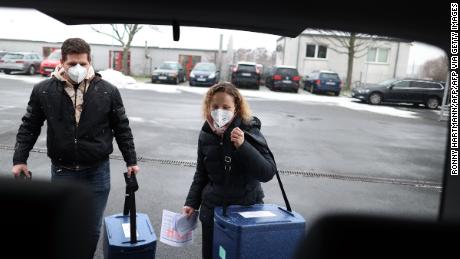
[24, 62]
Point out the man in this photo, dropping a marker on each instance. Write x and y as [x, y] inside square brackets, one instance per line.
[83, 114]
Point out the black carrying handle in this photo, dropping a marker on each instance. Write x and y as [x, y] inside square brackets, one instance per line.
[130, 204]
[22, 176]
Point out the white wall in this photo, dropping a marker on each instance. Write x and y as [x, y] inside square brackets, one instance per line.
[100, 54]
[362, 70]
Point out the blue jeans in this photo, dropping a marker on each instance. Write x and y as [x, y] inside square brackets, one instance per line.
[98, 181]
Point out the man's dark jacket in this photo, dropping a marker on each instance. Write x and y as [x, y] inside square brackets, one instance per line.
[70, 145]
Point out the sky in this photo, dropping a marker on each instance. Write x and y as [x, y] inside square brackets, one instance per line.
[31, 24]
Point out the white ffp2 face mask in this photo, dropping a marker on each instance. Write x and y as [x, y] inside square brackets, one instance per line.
[221, 117]
[77, 73]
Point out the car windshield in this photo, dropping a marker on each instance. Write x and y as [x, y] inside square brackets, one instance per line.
[329, 76]
[287, 71]
[205, 67]
[337, 148]
[169, 66]
[13, 56]
[246, 68]
[55, 56]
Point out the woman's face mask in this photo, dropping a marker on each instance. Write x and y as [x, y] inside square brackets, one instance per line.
[222, 108]
[77, 73]
[221, 117]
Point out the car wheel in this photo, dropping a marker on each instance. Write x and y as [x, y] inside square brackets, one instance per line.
[191, 83]
[432, 103]
[375, 98]
[7, 72]
[312, 89]
[336, 93]
[31, 70]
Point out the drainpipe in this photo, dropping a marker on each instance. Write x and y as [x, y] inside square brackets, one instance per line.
[298, 52]
[284, 49]
[396, 61]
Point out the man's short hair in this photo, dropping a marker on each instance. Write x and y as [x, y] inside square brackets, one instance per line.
[75, 46]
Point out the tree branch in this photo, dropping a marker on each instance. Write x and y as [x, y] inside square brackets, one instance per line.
[110, 35]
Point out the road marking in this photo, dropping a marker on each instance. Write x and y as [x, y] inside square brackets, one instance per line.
[305, 173]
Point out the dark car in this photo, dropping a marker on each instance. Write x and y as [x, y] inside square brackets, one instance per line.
[283, 78]
[204, 74]
[246, 74]
[169, 72]
[416, 91]
[24, 62]
[323, 82]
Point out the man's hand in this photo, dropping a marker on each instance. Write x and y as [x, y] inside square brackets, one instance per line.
[188, 211]
[17, 169]
[133, 169]
[237, 137]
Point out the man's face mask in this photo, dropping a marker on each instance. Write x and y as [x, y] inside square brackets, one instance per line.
[77, 73]
[221, 117]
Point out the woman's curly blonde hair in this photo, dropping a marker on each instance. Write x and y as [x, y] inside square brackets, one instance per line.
[241, 106]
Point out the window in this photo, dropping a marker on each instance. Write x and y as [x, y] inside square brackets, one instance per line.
[402, 84]
[287, 72]
[311, 49]
[246, 68]
[322, 51]
[316, 51]
[378, 55]
[426, 85]
[327, 76]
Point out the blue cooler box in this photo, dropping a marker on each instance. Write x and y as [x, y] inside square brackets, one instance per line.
[256, 232]
[117, 242]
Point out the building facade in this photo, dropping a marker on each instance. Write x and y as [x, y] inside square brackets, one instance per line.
[378, 59]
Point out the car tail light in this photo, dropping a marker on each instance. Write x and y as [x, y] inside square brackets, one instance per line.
[234, 70]
[277, 77]
[20, 62]
[296, 78]
[318, 82]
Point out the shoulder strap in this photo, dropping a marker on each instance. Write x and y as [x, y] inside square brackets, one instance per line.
[257, 145]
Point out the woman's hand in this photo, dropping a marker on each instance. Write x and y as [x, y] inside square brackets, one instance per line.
[237, 137]
[188, 211]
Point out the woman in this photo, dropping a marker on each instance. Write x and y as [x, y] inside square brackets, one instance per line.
[233, 158]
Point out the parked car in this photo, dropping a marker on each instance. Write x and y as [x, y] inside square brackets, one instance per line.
[169, 72]
[284, 78]
[416, 91]
[2, 53]
[246, 74]
[49, 64]
[323, 82]
[205, 74]
[24, 62]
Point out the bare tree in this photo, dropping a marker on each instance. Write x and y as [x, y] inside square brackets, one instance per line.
[352, 44]
[435, 69]
[124, 34]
